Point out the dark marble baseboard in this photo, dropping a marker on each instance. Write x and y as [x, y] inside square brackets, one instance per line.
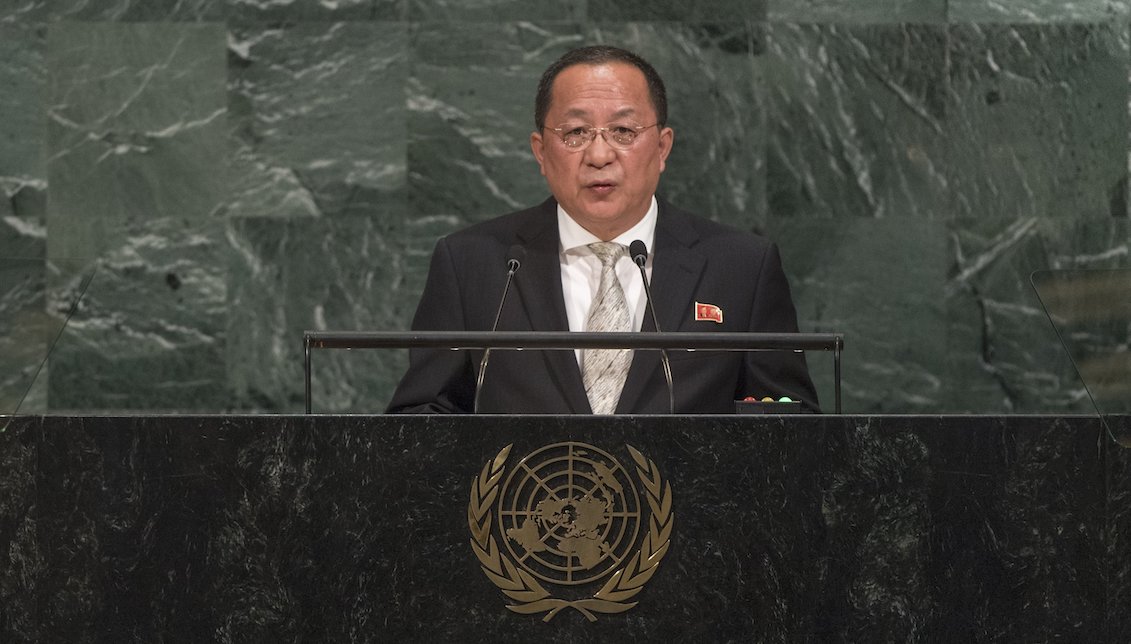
[355, 528]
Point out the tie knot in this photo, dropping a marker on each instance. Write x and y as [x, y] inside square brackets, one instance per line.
[607, 252]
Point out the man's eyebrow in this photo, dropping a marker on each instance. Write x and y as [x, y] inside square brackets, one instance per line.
[581, 113]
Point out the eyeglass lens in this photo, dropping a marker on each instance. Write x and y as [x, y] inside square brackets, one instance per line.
[620, 136]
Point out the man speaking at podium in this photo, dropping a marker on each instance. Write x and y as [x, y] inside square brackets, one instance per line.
[601, 142]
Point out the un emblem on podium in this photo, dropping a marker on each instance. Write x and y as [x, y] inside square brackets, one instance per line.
[576, 531]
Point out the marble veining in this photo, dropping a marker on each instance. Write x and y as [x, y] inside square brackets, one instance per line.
[287, 87]
[1037, 11]
[852, 11]
[916, 160]
[859, 121]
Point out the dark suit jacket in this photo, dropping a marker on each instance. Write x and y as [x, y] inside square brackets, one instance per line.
[694, 259]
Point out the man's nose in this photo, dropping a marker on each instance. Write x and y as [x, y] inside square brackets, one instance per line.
[600, 153]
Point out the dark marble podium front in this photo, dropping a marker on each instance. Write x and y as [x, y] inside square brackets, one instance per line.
[351, 528]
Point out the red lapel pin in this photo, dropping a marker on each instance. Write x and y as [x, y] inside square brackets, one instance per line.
[708, 313]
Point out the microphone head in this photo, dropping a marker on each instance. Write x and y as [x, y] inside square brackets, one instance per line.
[515, 254]
[638, 251]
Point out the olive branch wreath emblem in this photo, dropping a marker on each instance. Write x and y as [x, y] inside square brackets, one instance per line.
[529, 595]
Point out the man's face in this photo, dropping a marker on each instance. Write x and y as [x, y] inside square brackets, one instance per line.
[605, 189]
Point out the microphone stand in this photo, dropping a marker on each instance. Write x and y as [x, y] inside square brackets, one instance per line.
[639, 253]
[513, 262]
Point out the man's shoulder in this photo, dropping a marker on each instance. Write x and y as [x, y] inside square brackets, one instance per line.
[506, 226]
[710, 232]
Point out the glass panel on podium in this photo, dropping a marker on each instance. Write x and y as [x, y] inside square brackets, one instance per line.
[1091, 313]
[33, 318]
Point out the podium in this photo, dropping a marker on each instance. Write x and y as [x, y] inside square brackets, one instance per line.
[362, 528]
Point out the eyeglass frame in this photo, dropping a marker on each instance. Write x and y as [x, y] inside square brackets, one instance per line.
[592, 132]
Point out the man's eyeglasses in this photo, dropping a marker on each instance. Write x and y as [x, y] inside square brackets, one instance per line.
[578, 137]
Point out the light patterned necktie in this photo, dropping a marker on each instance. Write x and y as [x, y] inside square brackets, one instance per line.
[603, 370]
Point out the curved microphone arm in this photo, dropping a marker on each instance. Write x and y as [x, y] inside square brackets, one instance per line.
[639, 253]
[514, 260]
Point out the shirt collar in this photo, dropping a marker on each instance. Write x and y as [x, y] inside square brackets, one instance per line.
[573, 237]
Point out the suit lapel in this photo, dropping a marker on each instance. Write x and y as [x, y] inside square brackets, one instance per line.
[676, 270]
[539, 282]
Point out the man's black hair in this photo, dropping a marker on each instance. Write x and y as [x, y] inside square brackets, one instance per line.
[599, 55]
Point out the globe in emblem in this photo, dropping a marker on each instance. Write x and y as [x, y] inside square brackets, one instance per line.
[570, 513]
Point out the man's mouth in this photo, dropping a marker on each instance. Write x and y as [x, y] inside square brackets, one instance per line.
[601, 186]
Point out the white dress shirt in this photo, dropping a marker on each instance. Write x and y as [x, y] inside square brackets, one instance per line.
[581, 270]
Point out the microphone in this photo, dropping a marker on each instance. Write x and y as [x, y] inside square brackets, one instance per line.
[638, 251]
[515, 255]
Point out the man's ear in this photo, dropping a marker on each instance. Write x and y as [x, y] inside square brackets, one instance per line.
[536, 142]
[667, 140]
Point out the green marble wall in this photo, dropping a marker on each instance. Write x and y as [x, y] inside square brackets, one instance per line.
[215, 176]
